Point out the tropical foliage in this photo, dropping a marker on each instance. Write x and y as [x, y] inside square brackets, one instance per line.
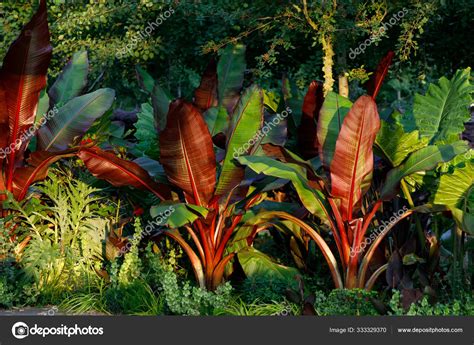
[235, 193]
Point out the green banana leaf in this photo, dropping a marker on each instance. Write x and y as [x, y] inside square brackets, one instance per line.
[74, 119]
[179, 214]
[243, 128]
[71, 81]
[230, 75]
[332, 115]
[313, 200]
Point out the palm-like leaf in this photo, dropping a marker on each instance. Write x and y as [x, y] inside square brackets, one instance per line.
[375, 82]
[23, 76]
[312, 199]
[353, 157]
[74, 119]
[331, 116]
[120, 172]
[307, 130]
[230, 72]
[71, 81]
[245, 123]
[187, 153]
[205, 96]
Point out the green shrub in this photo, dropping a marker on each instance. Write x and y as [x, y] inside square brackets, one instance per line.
[463, 306]
[186, 299]
[345, 302]
[263, 289]
[6, 296]
[180, 296]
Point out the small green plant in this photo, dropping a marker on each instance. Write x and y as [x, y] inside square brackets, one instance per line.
[180, 296]
[61, 235]
[238, 307]
[129, 292]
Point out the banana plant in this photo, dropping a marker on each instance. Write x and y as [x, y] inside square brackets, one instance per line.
[339, 197]
[210, 195]
[53, 123]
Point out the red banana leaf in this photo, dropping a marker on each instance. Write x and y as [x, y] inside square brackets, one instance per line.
[205, 96]
[3, 130]
[37, 170]
[307, 138]
[376, 80]
[120, 172]
[187, 153]
[352, 164]
[23, 76]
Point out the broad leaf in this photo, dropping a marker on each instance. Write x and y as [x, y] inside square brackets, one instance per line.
[120, 172]
[424, 159]
[456, 190]
[307, 131]
[161, 102]
[313, 200]
[74, 119]
[217, 120]
[245, 124]
[145, 80]
[353, 160]
[23, 76]
[187, 153]
[441, 113]
[71, 81]
[294, 99]
[375, 82]
[154, 168]
[146, 133]
[257, 264]
[453, 187]
[230, 72]
[160, 98]
[43, 106]
[177, 215]
[277, 128]
[331, 116]
[205, 96]
[395, 144]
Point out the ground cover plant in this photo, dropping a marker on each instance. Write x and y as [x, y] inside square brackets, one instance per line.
[251, 188]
